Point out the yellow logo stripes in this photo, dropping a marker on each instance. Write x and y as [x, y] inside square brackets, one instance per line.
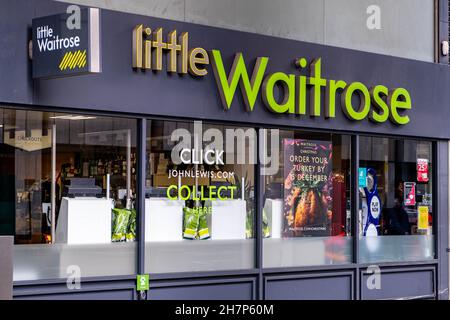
[73, 60]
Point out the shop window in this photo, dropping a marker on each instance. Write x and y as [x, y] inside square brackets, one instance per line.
[306, 214]
[396, 209]
[199, 202]
[68, 191]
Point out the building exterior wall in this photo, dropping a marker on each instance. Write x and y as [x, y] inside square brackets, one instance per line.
[120, 90]
[406, 26]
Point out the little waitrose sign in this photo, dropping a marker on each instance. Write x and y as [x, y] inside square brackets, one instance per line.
[67, 44]
[301, 94]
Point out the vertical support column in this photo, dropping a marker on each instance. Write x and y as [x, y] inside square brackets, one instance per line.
[141, 157]
[259, 191]
[441, 31]
[53, 184]
[354, 200]
[444, 286]
[129, 169]
[440, 200]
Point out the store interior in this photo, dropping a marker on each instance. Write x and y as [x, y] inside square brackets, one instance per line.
[403, 188]
[93, 158]
[84, 155]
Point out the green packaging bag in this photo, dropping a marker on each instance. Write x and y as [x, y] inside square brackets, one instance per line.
[120, 219]
[195, 223]
[190, 224]
[203, 230]
[131, 229]
[249, 225]
[266, 227]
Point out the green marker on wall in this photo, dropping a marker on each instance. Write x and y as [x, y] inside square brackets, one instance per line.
[143, 282]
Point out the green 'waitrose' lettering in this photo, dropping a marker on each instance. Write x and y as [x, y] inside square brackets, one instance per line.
[239, 75]
[358, 102]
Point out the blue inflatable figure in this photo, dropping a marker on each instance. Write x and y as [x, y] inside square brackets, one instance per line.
[373, 207]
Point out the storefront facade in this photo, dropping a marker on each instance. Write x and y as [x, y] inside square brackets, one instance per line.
[327, 135]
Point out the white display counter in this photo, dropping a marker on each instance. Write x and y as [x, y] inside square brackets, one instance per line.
[84, 221]
[163, 220]
[228, 219]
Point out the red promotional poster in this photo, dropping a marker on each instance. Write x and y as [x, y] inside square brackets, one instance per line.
[307, 187]
[409, 193]
[422, 170]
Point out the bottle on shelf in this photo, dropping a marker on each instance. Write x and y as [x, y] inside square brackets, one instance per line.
[109, 167]
[85, 171]
[91, 169]
[116, 167]
[101, 167]
[71, 172]
[133, 163]
[94, 168]
[124, 168]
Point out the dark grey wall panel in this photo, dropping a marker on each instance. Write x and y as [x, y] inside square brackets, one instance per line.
[402, 283]
[93, 295]
[6, 268]
[93, 289]
[322, 286]
[15, 68]
[223, 289]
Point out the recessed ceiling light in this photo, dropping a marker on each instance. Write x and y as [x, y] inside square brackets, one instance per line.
[73, 118]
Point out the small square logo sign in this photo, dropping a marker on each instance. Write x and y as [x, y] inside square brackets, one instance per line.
[143, 282]
[61, 49]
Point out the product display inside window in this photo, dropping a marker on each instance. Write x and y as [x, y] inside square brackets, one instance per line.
[199, 197]
[307, 216]
[87, 216]
[396, 209]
